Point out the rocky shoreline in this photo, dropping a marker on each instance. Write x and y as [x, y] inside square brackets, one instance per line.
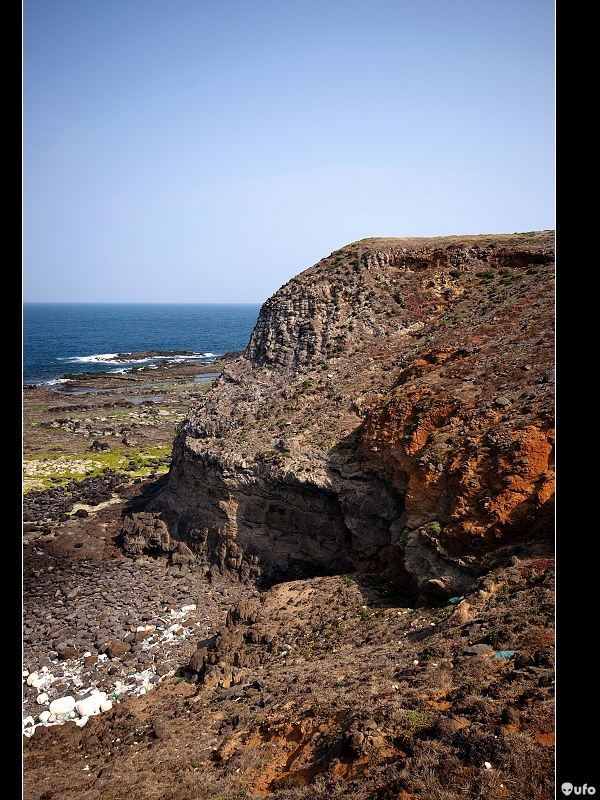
[114, 626]
[76, 620]
[386, 443]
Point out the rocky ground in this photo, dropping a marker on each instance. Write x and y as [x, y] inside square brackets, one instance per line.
[223, 681]
[312, 688]
[96, 422]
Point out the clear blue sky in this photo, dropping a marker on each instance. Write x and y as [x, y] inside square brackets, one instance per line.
[209, 150]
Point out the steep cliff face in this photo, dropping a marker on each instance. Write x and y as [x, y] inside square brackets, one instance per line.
[392, 414]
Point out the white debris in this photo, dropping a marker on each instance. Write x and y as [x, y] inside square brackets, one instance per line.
[62, 706]
[91, 705]
[82, 705]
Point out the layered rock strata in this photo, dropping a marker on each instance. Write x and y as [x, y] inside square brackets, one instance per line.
[392, 414]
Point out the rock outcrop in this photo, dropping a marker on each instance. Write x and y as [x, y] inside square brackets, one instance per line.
[392, 414]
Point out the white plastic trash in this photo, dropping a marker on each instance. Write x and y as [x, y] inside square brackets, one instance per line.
[62, 706]
[90, 705]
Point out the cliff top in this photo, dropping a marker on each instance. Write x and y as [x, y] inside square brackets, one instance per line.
[530, 239]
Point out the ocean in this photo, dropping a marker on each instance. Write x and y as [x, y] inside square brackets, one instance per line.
[61, 338]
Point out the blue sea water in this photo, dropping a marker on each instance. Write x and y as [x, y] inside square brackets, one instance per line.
[61, 338]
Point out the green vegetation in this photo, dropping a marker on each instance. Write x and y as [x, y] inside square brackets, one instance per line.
[403, 540]
[267, 455]
[49, 469]
[414, 719]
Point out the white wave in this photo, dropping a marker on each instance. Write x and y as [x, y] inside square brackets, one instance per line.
[55, 381]
[109, 358]
[100, 358]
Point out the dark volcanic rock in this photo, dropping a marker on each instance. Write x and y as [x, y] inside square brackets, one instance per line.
[379, 421]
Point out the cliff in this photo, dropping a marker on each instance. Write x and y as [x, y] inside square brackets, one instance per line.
[392, 415]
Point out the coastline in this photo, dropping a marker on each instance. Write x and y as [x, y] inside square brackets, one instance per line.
[114, 420]
[95, 447]
[163, 370]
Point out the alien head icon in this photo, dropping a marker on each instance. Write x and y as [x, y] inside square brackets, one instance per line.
[567, 788]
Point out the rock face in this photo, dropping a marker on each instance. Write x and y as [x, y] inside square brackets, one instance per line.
[392, 414]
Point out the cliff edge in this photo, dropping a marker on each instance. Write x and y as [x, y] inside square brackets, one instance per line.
[392, 414]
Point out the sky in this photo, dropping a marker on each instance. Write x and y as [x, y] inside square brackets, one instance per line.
[207, 151]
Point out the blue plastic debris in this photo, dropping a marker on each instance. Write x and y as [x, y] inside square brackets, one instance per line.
[506, 654]
[455, 600]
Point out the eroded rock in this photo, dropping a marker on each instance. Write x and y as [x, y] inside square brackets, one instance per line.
[380, 420]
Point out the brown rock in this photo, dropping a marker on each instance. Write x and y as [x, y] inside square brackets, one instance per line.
[198, 660]
[117, 649]
[159, 728]
[448, 726]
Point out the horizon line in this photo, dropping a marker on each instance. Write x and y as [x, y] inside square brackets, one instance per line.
[149, 302]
